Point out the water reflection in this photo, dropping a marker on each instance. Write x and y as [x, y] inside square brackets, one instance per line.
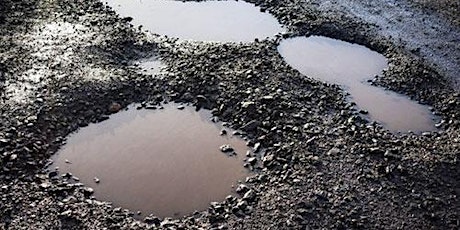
[221, 21]
[351, 65]
[164, 161]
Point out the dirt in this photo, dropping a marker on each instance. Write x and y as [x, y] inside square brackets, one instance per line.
[320, 165]
[450, 9]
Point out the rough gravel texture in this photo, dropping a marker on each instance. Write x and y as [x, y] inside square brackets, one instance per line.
[320, 165]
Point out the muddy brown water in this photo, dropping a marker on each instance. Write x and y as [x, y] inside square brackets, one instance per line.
[220, 21]
[166, 162]
[351, 65]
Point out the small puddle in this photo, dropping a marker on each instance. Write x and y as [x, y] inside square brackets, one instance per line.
[150, 66]
[166, 162]
[351, 65]
[220, 21]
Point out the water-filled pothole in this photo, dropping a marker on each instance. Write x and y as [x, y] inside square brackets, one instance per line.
[165, 161]
[351, 65]
[221, 21]
[149, 66]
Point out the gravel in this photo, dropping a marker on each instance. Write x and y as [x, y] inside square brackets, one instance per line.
[317, 163]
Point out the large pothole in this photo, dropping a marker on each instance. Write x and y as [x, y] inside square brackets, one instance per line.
[220, 21]
[168, 161]
[351, 66]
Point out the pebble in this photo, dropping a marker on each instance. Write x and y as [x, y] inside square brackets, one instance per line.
[226, 149]
[223, 132]
[52, 174]
[250, 126]
[4, 141]
[88, 191]
[249, 196]
[252, 160]
[242, 188]
[114, 107]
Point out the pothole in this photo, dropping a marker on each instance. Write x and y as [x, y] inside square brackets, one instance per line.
[220, 21]
[351, 66]
[168, 162]
[149, 66]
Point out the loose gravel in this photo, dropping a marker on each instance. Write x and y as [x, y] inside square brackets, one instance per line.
[318, 164]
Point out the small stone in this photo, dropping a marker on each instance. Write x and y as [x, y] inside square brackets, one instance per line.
[13, 157]
[248, 153]
[114, 107]
[96, 180]
[88, 191]
[180, 107]
[303, 211]
[242, 205]
[267, 159]
[4, 141]
[249, 106]
[45, 185]
[250, 126]
[249, 195]
[333, 151]
[152, 220]
[242, 188]
[67, 161]
[52, 174]
[256, 147]
[389, 154]
[202, 101]
[223, 132]
[230, 198]
[66, 213]
[67, 175]
[267, 98]
[252, 160]
[103, 118]
[226, 148]
[168, 223]
[127, 19]
[375, 150]
[223, 227]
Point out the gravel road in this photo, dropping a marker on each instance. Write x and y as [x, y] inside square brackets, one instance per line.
[320, 165]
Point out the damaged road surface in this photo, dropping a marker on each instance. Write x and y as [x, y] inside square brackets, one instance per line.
[316, 160]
